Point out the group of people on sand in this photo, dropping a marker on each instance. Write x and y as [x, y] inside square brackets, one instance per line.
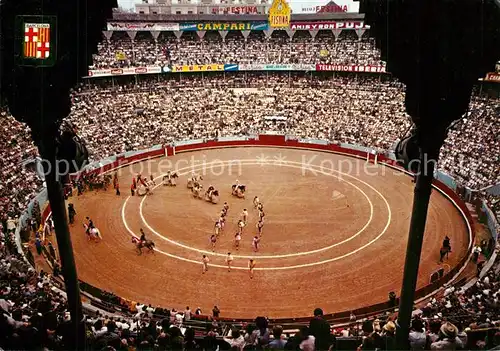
[141, 185]
[229, 261]
[241, 224]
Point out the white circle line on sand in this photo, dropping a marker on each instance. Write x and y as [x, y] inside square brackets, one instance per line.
[311, 264]
[206, 252]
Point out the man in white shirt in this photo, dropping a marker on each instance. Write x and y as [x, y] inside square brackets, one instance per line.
[476, 251]
[229, 261]
[187, 314]
[204, 262]
[235, 339]
[150, 311]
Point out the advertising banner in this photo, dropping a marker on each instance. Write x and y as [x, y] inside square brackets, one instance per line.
[198, 68]
[328, 25]
[278, 67]
[124, 71]
[231, 67]
[224, 26]
[493, 77]
[352, 68]
[326, 8]
[235, 10]
[142, 26]
[280, 14]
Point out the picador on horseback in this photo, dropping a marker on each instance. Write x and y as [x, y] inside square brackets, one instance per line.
[143, 242]
[445, 249]
[212, 195]
[144, 187]
[194, 180]
[169, 178]
[238, 190]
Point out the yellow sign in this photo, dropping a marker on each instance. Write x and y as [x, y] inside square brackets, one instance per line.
[198, 68]
[324, 53]
[279, 14]
[120, 56]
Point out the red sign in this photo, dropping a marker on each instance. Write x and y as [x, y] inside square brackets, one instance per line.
[106, 72]
[351, 68]
[236, 10]
[493, 77]
[326, 9]
[328, 25]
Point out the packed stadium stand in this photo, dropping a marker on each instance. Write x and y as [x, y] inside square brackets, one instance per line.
[121, 114]
[189, 49]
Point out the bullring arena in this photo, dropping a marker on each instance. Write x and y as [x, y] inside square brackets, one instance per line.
[334, 235]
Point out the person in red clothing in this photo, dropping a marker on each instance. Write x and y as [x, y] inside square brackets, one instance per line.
[132, 188]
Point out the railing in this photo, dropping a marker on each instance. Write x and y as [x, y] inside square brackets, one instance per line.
[128, 158]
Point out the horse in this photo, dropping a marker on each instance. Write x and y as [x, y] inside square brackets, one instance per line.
[238, 190]
[212, 196]
[197, 191]
[169, 179]
[149, 244]
[194, 179]
[94, 234]
[143, 190]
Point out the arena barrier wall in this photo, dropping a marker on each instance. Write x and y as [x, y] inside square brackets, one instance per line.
[491, 220]
[40, 200]
[274, 141]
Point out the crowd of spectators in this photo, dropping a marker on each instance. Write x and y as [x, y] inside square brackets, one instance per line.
[121, 51]
[361, 110]
[18, 185]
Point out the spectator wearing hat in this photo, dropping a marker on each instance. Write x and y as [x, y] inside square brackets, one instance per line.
[448, 339]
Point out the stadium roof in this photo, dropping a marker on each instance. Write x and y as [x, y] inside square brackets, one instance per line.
[136, 17]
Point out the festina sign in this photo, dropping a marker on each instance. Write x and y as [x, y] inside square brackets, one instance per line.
[326, 8]
[236, 10]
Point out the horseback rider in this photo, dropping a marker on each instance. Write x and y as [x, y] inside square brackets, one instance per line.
[446, 243]
[143, 237]
[90, 224]
[445, 249]
[209, 191]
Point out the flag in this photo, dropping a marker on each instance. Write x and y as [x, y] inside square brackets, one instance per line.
[324, 53]
[120, 56]
[37, 40]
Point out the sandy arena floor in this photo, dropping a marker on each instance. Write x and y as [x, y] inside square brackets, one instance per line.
[334, 237]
